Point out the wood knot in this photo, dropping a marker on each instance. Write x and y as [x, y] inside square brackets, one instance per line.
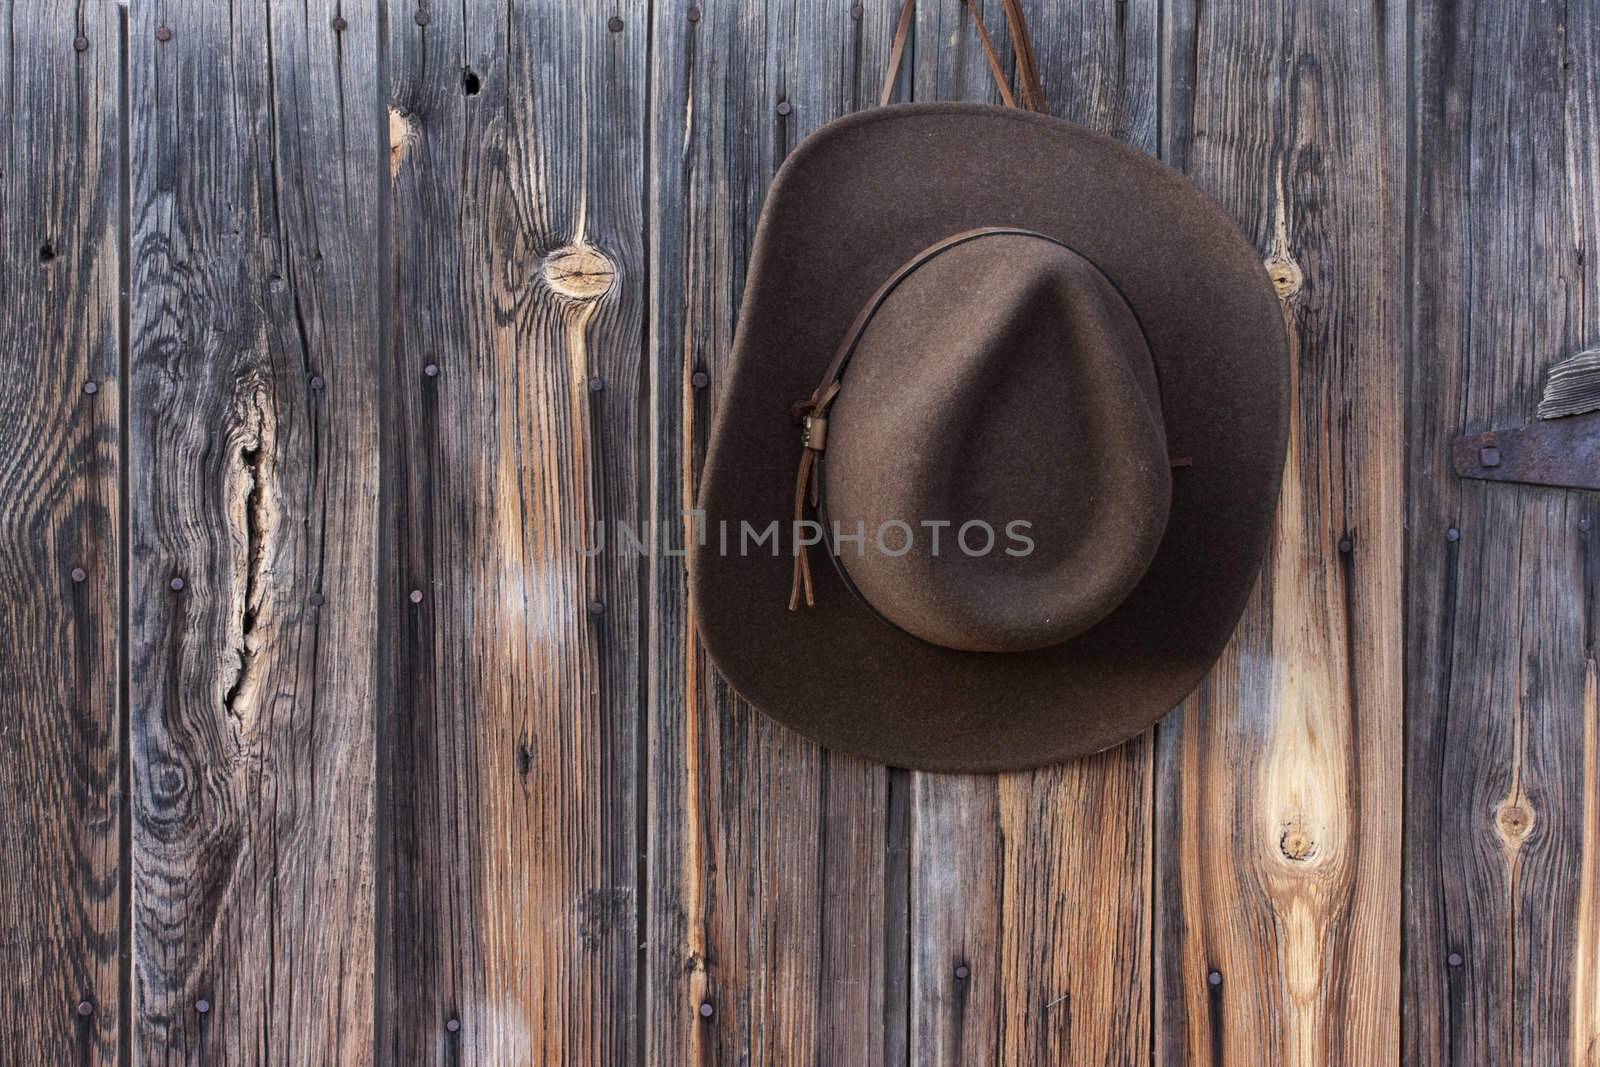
[1285, 275]
[1296, 844]
[402, 135]
[1514, 822]
[579, 272]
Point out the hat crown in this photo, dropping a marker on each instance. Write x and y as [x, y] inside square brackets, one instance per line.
[998, 439]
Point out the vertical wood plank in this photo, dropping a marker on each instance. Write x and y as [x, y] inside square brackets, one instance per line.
[253, 468]
[515, 418]
[766, 938]
[1585, 1014]
[60, 817]
[1279, 780]
[1031, 910]
[1503, 841]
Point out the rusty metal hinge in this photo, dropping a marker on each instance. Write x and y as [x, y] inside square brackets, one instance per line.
[1562, 449]
[1560, 452]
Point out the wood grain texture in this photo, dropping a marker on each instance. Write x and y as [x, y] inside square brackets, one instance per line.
[1279, 779]
[1501, 775]
[767, 853]
[1585, 1011]
[60, 809]
[515, 416]
[253, 474]
[1030, 897]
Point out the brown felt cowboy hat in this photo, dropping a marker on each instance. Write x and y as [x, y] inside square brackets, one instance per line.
[1025, 390]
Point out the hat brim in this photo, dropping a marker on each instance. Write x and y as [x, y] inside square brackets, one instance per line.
[853, 202]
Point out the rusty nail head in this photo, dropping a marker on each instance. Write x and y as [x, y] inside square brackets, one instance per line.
[431, 370]
[784, 107]
[963, 972]
[163, 34]
[202, 1005]
[416, 596]
[176, 584]
[1452, 534]
[596, 384]
[339, 24]
[1214, 978]
[453, 1025]
[85, 1008]
[422, 18]
[317, 600]
[1345, 546]
[1454, 959]
[597, 607]
[91, 387]
[79, 574]
[699, 379]
[615, 24]
[317, 382]
[706, 1010]
[1489, 457]
[694, 14]
[856, 11]
[81, 44]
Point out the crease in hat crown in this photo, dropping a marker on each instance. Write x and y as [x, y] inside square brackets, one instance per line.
[1001, 381]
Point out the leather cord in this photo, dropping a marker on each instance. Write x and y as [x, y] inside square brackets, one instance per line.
[1028, 82]
[1032, 89]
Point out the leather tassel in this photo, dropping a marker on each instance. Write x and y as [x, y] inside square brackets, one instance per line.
[814, 438]
[802, 564]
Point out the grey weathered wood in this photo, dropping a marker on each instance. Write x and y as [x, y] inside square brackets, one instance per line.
[1030, 910]
[1503, 765]
[766, 859]
[253, 480]
[1279, 800]
[897, 921]
[60, 813]
[513, 695]
[1572, 387]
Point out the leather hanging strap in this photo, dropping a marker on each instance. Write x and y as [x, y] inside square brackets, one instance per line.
[897, 50]
[1028, 83]
[1022, 45]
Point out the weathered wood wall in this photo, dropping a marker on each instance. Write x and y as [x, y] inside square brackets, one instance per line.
[1279, 793]
[253, 468]
[515, 415]
[1502, 792]
[321, 742]
[62, 863]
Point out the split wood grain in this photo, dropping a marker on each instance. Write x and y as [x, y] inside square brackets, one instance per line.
[1031, 915]
[1572, 387]
[767, 933]
[1279, 847]
[60, 785]
[253, 482]
[515, 415]
[1500, 882]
